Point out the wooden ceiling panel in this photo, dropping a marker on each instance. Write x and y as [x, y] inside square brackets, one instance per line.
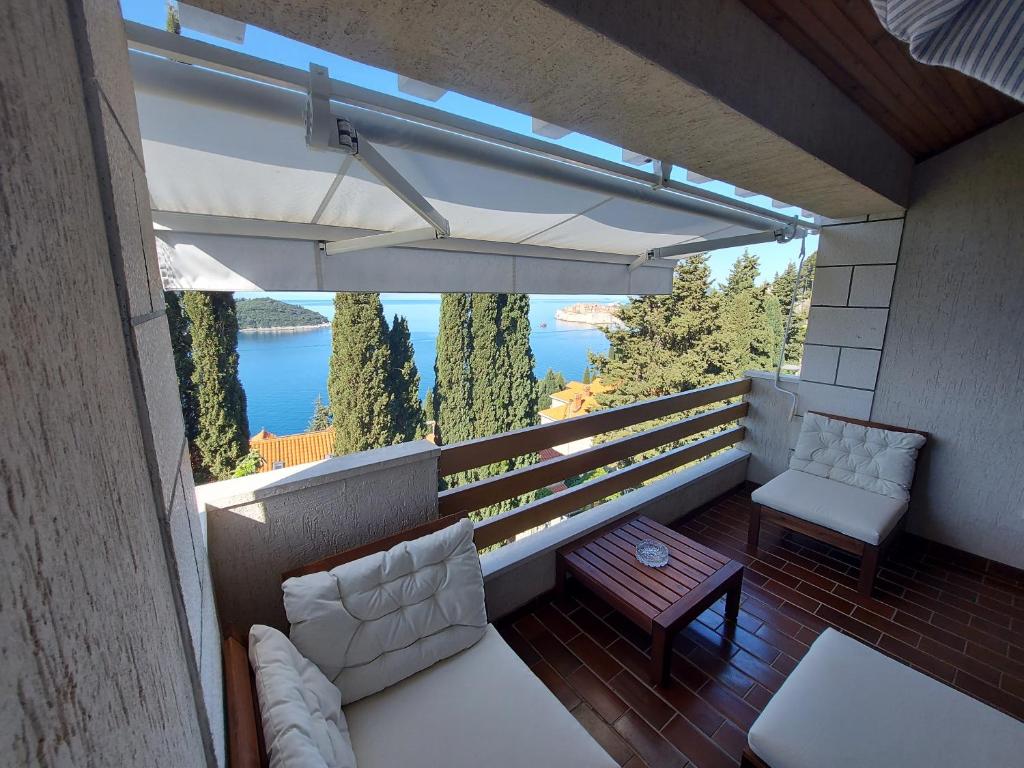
[926, 109]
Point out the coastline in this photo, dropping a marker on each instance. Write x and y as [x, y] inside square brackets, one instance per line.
[285, 329]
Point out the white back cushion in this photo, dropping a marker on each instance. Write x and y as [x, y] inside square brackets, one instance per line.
[303, 724]
[877, 460]
[372, 622]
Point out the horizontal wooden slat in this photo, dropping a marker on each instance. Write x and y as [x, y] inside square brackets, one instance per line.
[508, 524]
[483, 493]
[487, 450]
[639, 612]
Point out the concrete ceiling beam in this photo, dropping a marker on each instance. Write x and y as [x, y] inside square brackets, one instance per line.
[706, 86]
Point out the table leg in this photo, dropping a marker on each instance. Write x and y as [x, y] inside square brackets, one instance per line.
[661, 654]
[559, 575]
[732, 598]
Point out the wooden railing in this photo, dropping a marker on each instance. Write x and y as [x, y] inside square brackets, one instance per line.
[459, 457]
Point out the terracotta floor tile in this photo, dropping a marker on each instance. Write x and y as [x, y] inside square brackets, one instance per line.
[648, 743]
[957, 618]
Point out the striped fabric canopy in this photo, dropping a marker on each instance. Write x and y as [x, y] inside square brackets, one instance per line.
[981, 38]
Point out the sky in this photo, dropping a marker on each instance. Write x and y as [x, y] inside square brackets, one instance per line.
[273, 47]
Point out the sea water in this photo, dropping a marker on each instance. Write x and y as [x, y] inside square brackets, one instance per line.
[283, 372]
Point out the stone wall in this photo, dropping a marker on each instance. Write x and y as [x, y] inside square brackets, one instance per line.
[263, 525]
[109, 638]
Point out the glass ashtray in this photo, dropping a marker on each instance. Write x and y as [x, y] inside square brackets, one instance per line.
[652, 553]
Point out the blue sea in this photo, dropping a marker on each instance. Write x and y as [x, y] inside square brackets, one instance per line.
[284, 372]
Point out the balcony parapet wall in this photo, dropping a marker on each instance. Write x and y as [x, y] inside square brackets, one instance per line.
[260, 526]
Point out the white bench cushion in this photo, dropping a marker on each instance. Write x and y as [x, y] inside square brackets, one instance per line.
[858, 513]
[303, 724]
[877, 460]
[848, 706]
[482, 707]
[372, 622]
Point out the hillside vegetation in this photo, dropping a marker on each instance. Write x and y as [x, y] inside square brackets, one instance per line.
[268, 314]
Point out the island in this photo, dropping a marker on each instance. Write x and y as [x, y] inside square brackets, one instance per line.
[596, 315]
[255, 315]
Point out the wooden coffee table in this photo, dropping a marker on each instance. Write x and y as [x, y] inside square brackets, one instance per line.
[658, 600]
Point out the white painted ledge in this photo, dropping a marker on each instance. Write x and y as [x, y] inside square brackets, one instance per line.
[264, 485]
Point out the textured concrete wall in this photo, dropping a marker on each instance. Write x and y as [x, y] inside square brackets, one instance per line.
[705, 85]
[98, 665]
[261, 526]
[953, 362]
[771, 433]
[849, 310]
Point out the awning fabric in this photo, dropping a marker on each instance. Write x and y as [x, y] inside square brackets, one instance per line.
[241, 202]
[981, 38]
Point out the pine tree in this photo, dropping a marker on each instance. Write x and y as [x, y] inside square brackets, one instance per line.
[746, 326]
[171, 22]
[782, 288]
[552, 382]
[668, 344]
[404, 384]
[453, 391]
[587, 375]
[181, 346]
[223, 435]
[321, 418]
[357, 379]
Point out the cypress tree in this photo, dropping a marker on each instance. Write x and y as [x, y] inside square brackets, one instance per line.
[223, 433]
[514, 336]
[357, 379]
[404, 384]
[181, 346]
[520, 384]
[453, 391]
[489, 366]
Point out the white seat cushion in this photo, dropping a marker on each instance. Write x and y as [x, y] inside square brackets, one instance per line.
[482, 707]
[858, 513]
[303, 724]
[372, 622]
[848, 706]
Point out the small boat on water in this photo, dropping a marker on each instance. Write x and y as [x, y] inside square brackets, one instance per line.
[543, 325]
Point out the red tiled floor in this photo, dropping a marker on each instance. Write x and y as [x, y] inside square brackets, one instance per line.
[952, 615]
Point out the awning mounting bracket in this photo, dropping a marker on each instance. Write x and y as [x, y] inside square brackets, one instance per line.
[327, 131]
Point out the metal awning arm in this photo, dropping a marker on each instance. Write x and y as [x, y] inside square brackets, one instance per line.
[325, 130]
[779, 235]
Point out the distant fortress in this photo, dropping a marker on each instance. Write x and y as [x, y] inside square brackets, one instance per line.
[597, 315]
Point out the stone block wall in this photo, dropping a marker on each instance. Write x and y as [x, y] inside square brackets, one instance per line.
[848, 317]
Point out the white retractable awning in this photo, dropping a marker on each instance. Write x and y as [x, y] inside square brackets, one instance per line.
[243, 200]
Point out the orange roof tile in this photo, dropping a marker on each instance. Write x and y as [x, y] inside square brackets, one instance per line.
[289, 450]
